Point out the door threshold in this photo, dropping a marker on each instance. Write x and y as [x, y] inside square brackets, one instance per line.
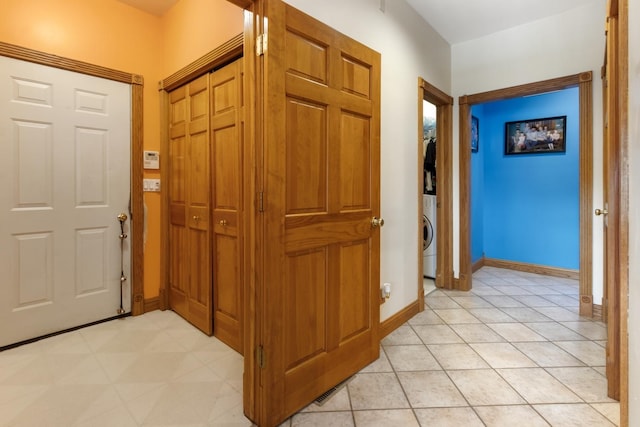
[53, 334]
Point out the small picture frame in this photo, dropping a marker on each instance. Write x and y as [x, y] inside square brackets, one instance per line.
[536, 136]
[475, 134]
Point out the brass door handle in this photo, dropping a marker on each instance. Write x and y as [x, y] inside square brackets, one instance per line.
[196, 218]
[223, 222]
[601, 212]
[377, 222]
[122, 217]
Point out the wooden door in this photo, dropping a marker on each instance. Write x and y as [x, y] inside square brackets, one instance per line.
[189, 204]
[65, 147]
[610, 211]
[318, 291]
[227, 155]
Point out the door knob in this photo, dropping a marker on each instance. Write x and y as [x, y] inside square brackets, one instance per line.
[122, 217]
[196, 218]
[223, 222]
[601, 212]
[377, 222]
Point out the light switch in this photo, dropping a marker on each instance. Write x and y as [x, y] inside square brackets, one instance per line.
[151, 185]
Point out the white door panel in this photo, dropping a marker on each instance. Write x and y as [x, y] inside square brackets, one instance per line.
[64, 178]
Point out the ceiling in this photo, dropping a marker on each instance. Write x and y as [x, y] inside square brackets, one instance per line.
[455, 20]
[462, 20]
[155, 7]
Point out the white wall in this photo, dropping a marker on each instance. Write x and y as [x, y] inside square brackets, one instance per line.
[634, 213]
[562, 45]
[410, 49]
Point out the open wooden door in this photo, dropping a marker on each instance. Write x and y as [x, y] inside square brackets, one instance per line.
[317, 292]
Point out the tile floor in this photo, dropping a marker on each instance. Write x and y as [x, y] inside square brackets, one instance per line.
[512, 352]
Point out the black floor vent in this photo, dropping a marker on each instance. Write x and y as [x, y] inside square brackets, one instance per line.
[322, 399]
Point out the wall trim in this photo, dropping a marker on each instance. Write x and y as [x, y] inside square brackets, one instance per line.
[478, 265]
[227, 52]
[50, 60]
[532, 268]
[394, 322]
[597, 312]
[151, 304]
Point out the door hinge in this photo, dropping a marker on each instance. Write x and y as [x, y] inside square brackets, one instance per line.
[261, 44]
[261, 202]
[262, 361]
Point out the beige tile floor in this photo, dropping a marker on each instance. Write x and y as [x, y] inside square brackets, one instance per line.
[512, 352]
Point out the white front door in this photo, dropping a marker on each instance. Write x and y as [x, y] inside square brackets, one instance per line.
[64, 178]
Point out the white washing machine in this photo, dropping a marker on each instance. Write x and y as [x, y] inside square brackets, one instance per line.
[429, 235]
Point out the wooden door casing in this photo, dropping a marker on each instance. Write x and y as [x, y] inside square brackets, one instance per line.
[189, 202]
[227, 135]
[612, 203]
[317, 290]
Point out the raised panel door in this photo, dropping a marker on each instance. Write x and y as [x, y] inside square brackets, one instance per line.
[64, 178]
[190, 292]
[318, 292]
[226, 157]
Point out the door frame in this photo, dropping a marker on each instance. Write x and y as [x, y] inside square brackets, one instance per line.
[584, 83]
[616, 113]
[136, 209]
[444, 205]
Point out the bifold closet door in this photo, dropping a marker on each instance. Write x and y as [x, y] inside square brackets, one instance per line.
[226, 160]
[190, 293]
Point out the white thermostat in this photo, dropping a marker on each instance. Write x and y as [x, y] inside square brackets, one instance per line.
[151, 160]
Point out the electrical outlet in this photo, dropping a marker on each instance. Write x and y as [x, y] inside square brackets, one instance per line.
[385, 291]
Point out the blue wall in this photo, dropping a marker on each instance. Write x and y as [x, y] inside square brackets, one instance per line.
[525, 207]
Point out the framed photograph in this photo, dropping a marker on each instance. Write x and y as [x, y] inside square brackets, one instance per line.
[536, 136]
[475, 134]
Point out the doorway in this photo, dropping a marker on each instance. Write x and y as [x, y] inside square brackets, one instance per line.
[443, 235]
[91, 195]
[525, 181]
[429, 194]
[584, 83]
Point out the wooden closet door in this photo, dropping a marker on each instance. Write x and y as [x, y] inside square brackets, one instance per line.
[226, 160]
[189, 202]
